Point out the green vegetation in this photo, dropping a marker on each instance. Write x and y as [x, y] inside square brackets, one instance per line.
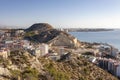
[89, 46]
[18, 57]
[30, 74]
[1, 59]
[30, 33]
[82, 78]
[88, 53]
[58, 75]
[86, 71]
[99, 78]
[15, 74]
[4, 61]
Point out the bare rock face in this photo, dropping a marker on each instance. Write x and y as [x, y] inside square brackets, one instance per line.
[64, 39]
[4, 74]
[4, 71]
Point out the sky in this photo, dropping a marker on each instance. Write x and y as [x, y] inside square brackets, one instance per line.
[61, 13]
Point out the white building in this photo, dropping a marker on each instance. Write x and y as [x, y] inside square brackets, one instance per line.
[92, 59]
[9, 42]
[4, 53]
[26, 44]
[114, 52]
[44, 49]
[19, 31]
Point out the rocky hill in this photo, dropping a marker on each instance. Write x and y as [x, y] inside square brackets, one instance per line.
[39, 27]
[45, 33]
[20, 65]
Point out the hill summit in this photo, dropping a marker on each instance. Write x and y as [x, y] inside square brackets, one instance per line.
[39, 27]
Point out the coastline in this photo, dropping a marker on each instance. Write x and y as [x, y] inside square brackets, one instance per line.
[109, 37]
[85, 29]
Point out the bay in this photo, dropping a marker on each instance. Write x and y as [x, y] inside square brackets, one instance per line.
[110, 37]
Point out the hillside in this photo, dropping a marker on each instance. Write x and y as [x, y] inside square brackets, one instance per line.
[20, 65]
[45, 33]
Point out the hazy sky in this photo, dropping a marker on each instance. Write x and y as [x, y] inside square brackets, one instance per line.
[61, 13]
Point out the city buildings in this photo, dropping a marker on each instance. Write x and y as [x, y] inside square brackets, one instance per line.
[113, 66]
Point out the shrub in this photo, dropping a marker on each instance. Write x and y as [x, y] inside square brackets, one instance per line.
[15, 74]
[58, 75]
[30, 73]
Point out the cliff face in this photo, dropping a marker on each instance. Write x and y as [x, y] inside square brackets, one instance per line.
[47, 34]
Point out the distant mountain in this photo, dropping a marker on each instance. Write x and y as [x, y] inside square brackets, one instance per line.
[4, 27]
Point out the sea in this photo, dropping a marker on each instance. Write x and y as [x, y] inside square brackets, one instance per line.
[109, 37]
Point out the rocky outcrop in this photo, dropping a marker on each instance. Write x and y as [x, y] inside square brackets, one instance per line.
[4, 71]
[65, 40]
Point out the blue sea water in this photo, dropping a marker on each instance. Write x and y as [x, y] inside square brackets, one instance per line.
[110, 37]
